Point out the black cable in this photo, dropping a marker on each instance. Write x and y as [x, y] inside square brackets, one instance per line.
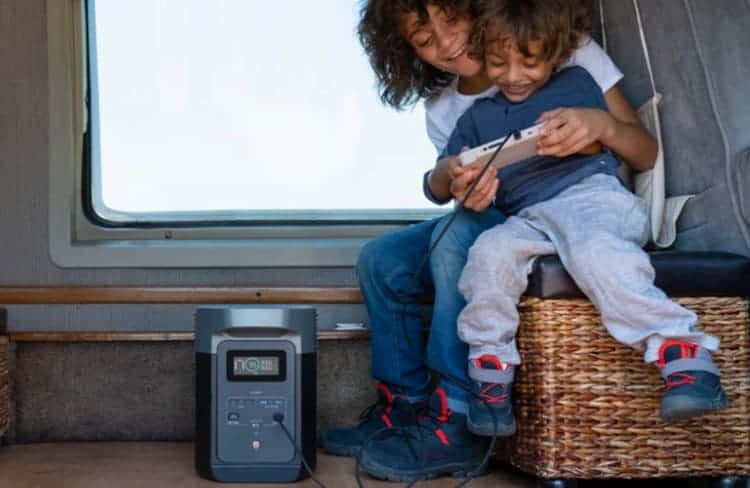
[358, 457]
[469, 476]
[516, 135]
[485, 461]
[279, 418]
[473, 474]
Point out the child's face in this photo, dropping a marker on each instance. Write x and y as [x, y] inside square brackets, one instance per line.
[518, 76]
[442, 41]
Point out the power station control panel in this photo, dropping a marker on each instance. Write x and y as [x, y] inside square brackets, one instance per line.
[255, 382]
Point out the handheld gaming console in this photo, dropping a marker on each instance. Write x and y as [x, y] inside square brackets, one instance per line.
[521, 145]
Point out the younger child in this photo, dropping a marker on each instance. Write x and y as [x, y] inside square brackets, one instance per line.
[574, 207]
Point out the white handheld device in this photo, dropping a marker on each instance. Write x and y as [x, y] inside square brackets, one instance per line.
[520, 146]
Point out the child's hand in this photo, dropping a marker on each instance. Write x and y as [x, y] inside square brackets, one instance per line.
[483, 194]
[569, 131]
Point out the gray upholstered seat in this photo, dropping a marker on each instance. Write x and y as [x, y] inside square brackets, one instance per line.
[700, 53]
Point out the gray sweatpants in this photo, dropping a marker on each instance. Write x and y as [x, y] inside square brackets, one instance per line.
[598, 228]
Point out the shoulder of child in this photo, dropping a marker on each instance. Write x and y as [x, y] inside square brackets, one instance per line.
[479, 111]
[581, 81]
[465, 133]
[575, 76]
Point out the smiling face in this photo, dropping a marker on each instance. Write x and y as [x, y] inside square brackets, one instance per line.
[442, 40]
[518, 75]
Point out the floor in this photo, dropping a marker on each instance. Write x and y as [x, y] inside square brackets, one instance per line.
[167, 465]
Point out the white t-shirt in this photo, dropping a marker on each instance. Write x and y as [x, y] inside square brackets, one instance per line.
[443, 110]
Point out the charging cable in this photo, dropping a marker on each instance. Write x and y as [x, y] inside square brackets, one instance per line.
[279, 418]
[469, 476]
[516, 134]
[478, 471]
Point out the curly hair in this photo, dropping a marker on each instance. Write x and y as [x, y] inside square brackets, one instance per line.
[560, 25]
[403, 78]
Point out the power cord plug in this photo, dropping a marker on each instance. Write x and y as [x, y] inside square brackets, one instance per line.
[278, 417]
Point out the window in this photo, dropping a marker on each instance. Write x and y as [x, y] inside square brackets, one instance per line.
[227, 133]
[244, 110]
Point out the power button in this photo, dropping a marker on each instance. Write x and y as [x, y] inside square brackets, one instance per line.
[256, 444]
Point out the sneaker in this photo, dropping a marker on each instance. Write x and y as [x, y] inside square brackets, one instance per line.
[390, 410]
[490, 407]
[693, 386]
[438, 444]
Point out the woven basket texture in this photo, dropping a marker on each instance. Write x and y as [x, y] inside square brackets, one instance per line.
[588, 407]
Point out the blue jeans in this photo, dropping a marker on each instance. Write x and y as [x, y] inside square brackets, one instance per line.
[386, 269]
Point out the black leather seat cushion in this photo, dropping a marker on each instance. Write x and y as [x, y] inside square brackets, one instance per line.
[678, 273]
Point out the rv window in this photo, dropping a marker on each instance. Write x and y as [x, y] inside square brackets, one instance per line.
[240, 111]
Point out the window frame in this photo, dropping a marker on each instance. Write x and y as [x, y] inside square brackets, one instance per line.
[80, 238]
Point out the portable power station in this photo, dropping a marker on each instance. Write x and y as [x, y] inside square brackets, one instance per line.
[255, 367]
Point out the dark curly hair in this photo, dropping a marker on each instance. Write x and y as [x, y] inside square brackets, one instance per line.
[560, 25]
[403, 78]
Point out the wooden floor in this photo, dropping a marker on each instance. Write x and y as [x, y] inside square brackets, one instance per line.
[170, 465]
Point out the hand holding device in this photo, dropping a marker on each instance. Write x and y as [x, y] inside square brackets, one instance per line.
[484, 191]
[569, 131]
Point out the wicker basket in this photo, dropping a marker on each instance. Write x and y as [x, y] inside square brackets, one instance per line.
[588, 407]
[4, 385]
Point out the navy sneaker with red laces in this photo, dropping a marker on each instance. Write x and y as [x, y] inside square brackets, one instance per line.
[693, 385]
[390, 410]
[490, 407]
[438, 444]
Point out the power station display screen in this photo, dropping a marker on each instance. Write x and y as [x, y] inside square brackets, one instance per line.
[256, 365]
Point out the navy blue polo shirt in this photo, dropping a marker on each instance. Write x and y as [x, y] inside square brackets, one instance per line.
[538, 178]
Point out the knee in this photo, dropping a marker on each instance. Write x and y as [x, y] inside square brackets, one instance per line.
[496, 260]
[448, 254]
[496, 248]
[446, 261]
[587, 252]
[456, 237]
[384, 264]
[606, 256]
[482, 261]
[455, 240]
[370, 260]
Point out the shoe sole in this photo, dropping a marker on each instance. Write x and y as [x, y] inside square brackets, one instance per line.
[676, 409]
[489, 431]
[456, 470]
